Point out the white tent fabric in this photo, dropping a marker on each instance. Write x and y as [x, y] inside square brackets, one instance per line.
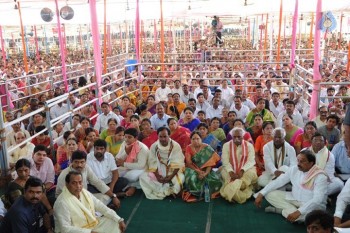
[120, 10]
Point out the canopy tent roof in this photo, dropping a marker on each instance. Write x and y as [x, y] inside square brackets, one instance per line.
[121, 10]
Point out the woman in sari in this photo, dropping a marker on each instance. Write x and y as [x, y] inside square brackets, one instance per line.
[216, 130]
[125, 105]
[143, 112]
[88, 112]
[292, 131]
[115, 141]
[189, 121]
[148, 136]
[179, 134]
[135, 122]
[256, 129]
[89, 140]
[63, 155]
[208, 138]
[80, 132]
[260, 109]
[126, 121]
[110, 131]
[303, 140]
[151, 104]
[200, 160]
[260, 142]
[16, 188]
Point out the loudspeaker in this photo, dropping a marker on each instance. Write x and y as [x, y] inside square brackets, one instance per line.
[46, 14]
[67, 13]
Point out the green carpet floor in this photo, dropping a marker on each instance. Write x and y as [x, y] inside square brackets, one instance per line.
[218, 216]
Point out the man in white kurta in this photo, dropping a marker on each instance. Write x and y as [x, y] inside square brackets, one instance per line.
[309, 187]
[166, 163]
[23, 151]
[75, 210]
[239, 172]
[343, 201]
[279, 155]
[326, 161]
[132, 159]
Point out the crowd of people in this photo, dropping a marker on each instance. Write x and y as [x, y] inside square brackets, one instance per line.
[235, 130]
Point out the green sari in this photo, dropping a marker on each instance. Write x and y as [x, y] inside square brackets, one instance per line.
[194, 187]
[219, 134]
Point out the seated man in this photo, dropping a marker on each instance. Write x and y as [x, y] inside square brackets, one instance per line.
[166, 163]
[102, 119]
[11, 135]
[42, 168]
[330, 130]
[278, 157]
[75, 210]
[319, 221]
[23, 151]
[103, 165]
[342, 158]
[78, 163]
[325, 160]
[28, 214]
[309, 188]
[239, 172]
[341, 214]
[132, 159]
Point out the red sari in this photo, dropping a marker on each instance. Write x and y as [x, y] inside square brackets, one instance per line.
[259, 145]
[150, 139]
[182, 136]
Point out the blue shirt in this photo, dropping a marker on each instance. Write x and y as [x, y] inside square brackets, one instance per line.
[24, 217]
[156, 122]
[342, 159]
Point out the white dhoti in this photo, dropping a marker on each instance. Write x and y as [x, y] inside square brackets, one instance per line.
[335, 186]
[132, 176]
[106, 225]
[266, 177]
[278, 199]
[158, 191]
[239, 190]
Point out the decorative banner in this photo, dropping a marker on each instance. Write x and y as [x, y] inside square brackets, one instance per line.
[261, 27]
[97, 50]
[294, 35]
[155, 36]
[311, 29]
[253, 32]
[23, 41]
[63, 53]
[279, 33]
[109, 39]
[137, 31]
[36, 44]
[340, 31]
[348, 66]
[284, 32]
[2, 47]
[316, 68]
[161, 35]
[266, 30]
[104, 37]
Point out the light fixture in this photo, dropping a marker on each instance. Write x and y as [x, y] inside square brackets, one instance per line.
[67, 13]
[46, 14]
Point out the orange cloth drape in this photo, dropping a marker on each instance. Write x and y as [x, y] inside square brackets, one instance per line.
[279, 32]
[23, 41]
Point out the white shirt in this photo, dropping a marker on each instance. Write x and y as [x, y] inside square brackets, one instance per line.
[249, 104]
[330, 165]
[179, 91]
[102, 119]
[184, 98]
[57, 111]
[10, 137]
[226, 93]
[20, 153]
[2, 209]
[242, 112]
[211, 112]
[343, 200]
[290, 158]
[102, 169]
[309, 199]
[197, 91]
[162, 94]
[204, 106]
[141, 158]
[276, 109]
[297, 119]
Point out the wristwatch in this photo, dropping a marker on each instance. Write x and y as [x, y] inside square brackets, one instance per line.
[114, 195]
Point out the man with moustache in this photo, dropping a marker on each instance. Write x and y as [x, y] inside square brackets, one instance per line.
[27, 214]
[103, 165]
[166, 163]
[78, 164]
[75, 210]
[309, 188]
